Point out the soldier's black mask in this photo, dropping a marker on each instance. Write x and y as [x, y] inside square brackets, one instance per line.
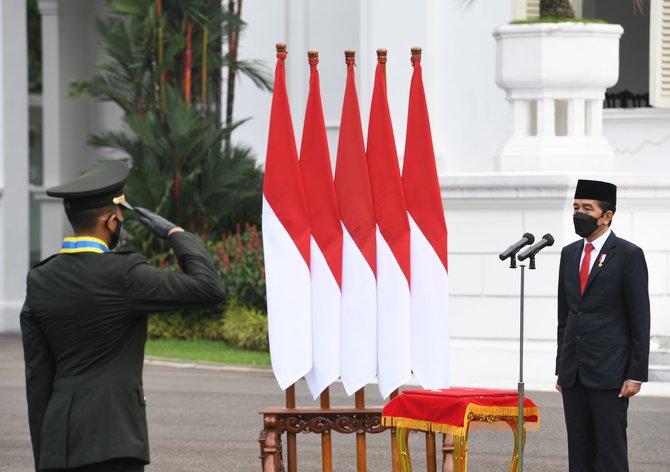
[116, 235]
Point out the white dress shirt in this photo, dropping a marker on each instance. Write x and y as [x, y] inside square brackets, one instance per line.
[597, 246]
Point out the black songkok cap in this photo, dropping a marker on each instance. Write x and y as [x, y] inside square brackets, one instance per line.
[98, 187]
[596, 190]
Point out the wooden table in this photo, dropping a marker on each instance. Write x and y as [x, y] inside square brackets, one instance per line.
[456, 412]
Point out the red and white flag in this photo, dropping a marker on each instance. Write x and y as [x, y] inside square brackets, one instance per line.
[429, 287]
[359, 289]
[393, 242]
[326, 243]
[286, 243]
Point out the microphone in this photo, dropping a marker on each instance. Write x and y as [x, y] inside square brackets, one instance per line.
[547, 240]
[514, 248]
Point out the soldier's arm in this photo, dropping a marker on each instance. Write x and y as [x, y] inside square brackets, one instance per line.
[151, 290]
[40, 368]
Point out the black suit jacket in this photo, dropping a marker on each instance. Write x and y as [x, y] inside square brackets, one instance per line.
[84, 326]
[604, 333]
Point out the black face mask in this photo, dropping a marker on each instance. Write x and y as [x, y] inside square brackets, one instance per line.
[116, 235]
[585, 225]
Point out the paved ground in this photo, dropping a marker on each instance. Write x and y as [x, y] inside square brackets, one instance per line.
[205, 420]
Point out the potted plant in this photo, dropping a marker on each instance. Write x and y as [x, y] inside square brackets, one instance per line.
[555, 71]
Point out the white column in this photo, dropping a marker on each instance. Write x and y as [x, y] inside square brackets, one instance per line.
[521, 118]
[576, 117]
[53, 223]
[546, 117]
[14, 239]
[594, 118]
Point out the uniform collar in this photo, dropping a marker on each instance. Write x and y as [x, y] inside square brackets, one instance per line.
[83, 244]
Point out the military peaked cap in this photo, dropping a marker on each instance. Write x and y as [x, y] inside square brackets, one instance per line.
[100, 186]
[596, 190]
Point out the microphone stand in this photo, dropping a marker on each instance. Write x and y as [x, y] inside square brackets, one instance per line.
[520, 386]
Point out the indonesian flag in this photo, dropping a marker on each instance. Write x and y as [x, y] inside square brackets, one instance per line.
[429, 288]
[286, 244]
[359, 291]
[393, 242]
[326, 241]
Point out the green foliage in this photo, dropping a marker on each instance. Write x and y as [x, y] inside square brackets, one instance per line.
[162, 67]
[34, 48]
[182, 326]
[238, 258]
[205, 350]
[558, 20]
[245, 327]
[556, 9]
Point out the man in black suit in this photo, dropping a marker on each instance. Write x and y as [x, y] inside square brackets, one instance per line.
[603, 332]
[84, 325]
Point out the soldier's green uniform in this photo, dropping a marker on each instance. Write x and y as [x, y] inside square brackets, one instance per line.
[84, 325]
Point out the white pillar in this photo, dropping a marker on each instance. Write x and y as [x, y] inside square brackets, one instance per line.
[14, 240]
[53, 222]
[576, 117]
[521, 118]
[546, 117]
[594, 118]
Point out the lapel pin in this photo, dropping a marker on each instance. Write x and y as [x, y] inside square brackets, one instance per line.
[602, 259]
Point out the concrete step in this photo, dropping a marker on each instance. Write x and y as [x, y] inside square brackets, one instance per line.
[659, 373]
[659, 357]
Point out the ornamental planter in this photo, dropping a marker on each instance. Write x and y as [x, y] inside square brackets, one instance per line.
[555, 75]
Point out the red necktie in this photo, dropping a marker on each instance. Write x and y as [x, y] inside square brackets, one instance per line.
[584, 269]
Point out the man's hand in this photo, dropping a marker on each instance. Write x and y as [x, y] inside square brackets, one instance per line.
[559, 388]
[155, 223]
[629, 388]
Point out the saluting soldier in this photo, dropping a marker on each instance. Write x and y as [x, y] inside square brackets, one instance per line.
[84, 325]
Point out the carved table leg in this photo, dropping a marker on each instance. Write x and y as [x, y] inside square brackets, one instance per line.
[447, 453]
[460, 453]
[402, 436]
[514, 465]
[270, 443]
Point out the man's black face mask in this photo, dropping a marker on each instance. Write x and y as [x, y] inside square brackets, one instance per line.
[585, 225]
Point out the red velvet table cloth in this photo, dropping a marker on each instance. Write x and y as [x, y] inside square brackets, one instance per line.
[448, 410]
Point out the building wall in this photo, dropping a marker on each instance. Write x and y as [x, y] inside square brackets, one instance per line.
[485, 210]
[486, 213]
[470, 116]
[471, 120]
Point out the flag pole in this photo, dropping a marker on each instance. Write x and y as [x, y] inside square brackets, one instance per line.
[361, 450]
[290, 391]
[326, 444]
[292, 459]
[382, 54]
